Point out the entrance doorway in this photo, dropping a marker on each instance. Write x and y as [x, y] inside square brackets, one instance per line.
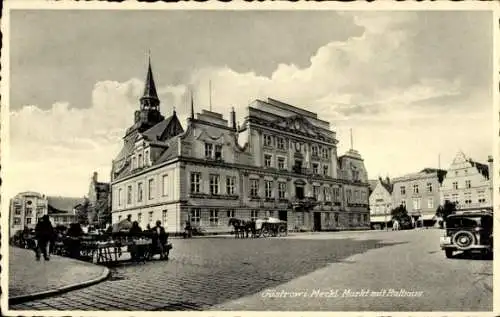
[317, 221]
[299, 191]
[283, 215]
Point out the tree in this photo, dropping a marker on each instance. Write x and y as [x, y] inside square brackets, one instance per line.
[82, 211]
[399, 213]
[445, 210]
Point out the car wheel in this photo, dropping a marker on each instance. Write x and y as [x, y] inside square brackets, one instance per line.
[448, 253]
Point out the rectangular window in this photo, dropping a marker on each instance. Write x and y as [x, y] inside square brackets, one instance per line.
[195, 216]
[349, 196]
[316, 192]
[281, 143]
[230, 183]
[268, 140]
[403, 203]
[267, 160]
[324, 153]
[254, 215]
[281, 163]
[28, 221]
[415, 188]
[17, 210]
[325, 170]
[314, 150]
[416, 204]
[218, 152]
[467, 184]
[356, 195]
[336, 194]
[403, 190]
[315, 169]
[214, 184]
[164, 218]
[230, 213]
[139, 192]
[129, 194]
[139, 217]
[467, 198]
[281, 190]
[151, 189]
[254, 188]
[326, 193]
[214, 217]
[150, 217]
[429, 187]
[119, 218]
[134, 162]
[208, 150]
[430, 202]
[269, 213]
[29, 211]
[455, 185]
[195, 182]
[120, 195]
[269, 189]
[164, 186]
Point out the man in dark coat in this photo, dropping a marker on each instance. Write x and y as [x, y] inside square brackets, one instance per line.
[159, 238]
[44, 233]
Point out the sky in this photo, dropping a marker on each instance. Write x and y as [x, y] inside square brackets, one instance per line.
[413, 86]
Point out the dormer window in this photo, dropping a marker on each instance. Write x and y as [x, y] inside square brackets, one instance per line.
[146, 158]
[208, 150]
[218, 152]
[140, 160]
[134, 162]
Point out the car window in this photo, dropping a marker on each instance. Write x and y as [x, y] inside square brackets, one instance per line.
[463, 222]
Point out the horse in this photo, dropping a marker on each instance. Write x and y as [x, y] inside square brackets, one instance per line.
[250, 227]
[239, 227]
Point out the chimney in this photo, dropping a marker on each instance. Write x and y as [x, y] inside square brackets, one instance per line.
[233, 119]
[490, 167]
[94, 177]
[388, 180]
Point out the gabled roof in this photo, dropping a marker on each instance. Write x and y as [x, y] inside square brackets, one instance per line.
[171, 152]
[388, 186]
[164, 129]
[372, 184]
[59, 204]
[482, 168]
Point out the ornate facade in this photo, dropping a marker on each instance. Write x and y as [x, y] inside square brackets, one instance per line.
[468, 183]
[282, 162]
[381, 204]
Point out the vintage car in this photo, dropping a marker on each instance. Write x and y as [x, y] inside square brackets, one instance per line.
[468, 231]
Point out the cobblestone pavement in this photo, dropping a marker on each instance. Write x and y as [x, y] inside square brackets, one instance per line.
[205, 272]
[233, 274]
[28, 276]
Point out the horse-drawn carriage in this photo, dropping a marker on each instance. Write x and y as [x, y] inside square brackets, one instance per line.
[271, 227]
[265, 227]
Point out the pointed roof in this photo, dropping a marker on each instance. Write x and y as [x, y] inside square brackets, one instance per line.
[149, 85]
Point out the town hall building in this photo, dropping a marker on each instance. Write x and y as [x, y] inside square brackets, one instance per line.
[281, 162]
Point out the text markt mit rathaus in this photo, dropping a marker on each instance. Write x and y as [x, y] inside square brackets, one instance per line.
[390, 292]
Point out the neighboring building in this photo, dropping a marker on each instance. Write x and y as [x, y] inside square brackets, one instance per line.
[468, 183]
[281, 162]
[419, 193]
[61, 210]
[381, 204]
[25, 210]
[99, 203]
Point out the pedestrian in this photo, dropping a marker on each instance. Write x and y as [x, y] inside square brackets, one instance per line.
[159, 239]
[44, 233]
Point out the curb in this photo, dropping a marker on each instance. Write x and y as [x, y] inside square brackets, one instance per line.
[40, 295]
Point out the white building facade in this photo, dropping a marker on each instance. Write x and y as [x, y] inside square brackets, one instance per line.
[281, 162]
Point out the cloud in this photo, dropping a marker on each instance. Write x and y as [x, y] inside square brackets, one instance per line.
[366, 83]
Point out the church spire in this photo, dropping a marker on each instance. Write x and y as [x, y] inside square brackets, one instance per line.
[149, 99]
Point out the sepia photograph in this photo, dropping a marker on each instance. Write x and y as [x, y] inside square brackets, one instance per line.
[177, 158]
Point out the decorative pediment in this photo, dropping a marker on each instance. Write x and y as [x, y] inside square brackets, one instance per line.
[207, 137]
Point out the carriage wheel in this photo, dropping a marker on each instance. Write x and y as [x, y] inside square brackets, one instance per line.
[283, 232]
[265, 232]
